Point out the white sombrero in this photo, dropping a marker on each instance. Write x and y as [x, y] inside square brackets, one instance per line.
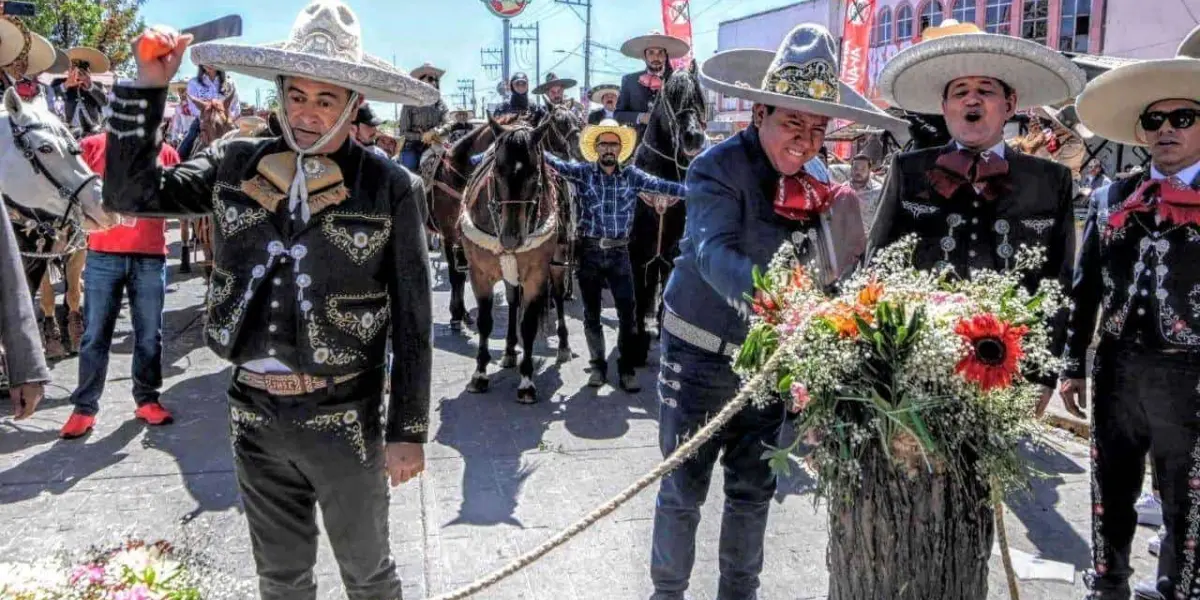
[96, 61]
[598, 92]
[39, 55]
[1112, 102]
[427, 69]
[636, 47]
[325, 45]
[917, 76]
[1190, 46]
[801, 75]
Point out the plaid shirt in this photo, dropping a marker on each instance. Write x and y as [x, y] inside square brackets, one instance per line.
[605, 203]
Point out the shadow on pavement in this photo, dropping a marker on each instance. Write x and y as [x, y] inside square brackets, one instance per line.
[1048, 529]
[60, 467]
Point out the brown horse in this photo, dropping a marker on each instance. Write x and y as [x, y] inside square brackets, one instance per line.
[215, 122]
[509, 231]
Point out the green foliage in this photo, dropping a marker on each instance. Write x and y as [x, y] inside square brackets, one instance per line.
[109, 26]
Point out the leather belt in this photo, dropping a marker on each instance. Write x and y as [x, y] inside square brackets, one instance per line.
[606, 243]
[289, 384]
[697, 336]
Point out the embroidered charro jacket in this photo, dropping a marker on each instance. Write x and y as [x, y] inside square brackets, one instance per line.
[1140, 278]
[321, 297]
[966, 231]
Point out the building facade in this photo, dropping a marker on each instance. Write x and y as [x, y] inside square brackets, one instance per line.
[1147, 28]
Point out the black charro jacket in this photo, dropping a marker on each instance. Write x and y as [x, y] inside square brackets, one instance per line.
[968, 232]
[1140, 279]
[320, 297]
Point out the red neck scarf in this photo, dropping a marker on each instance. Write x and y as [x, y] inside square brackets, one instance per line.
[801, 196]
[1173, 200]
[650, 80]
[985, 173]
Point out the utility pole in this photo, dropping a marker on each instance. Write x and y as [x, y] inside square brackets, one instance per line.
[492, 60]
[587, 40]
[507, 48]
[395, 107]
[521, 36]
[466, 89]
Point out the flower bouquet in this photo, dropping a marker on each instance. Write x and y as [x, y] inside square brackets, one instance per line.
[133, 571]
[911, 388]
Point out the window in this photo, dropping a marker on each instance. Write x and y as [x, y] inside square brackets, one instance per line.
[729, 103]
[1075, 25]
[931, 15]
[1033, 23]
[904, 24]
[882, 32]
[999, 16]
[964, 11]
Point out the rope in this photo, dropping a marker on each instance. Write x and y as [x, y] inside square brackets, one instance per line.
[1009, 574]
[681, 454]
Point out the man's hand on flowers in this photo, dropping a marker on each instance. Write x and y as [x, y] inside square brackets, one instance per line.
[1075, 396]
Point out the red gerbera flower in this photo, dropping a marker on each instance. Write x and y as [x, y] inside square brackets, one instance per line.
[995, 350]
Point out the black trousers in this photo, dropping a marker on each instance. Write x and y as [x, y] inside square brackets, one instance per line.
[1146, 402]
[598, 267]
[297, 452]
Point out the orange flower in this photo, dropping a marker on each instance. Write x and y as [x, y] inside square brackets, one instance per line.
[800, 278]
[869, 296]
[841, 317]
[995, 351]
[766, 307]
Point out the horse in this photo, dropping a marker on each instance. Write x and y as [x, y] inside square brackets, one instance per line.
[216, 122]
[511, 214]
[673, 137]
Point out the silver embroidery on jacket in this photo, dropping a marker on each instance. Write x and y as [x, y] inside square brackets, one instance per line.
[1038, 225]
[231, 219]
[364, 323]
[359, 243]
[918, 210]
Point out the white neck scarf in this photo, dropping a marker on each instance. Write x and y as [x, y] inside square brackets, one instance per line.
[298, 191]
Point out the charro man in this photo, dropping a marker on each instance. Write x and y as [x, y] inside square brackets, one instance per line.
[418, 123]
[606, 96]
[554, 90]
[1137, 270]
[83, 100]
[745, 198]
[640, 90]
[320, 258]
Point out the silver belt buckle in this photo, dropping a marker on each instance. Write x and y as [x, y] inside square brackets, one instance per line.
[609, 243]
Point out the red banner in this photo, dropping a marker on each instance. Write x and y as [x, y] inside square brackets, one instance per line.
[677, 21]
[856, 42]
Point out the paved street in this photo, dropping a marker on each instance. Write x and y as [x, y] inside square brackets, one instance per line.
[501, 478]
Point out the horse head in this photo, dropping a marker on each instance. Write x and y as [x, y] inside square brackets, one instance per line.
[676, 126]
[516, 204]
[216, 120]
[562, 139]
[42, 168]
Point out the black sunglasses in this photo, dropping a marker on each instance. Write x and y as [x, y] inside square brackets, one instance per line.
[1181, 118]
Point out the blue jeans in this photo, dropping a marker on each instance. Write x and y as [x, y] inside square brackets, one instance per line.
[410, 156]
[105, 278]
[693, 385]
[597, 267]
[189, 140]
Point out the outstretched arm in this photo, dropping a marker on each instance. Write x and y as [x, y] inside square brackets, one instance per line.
[656, 185]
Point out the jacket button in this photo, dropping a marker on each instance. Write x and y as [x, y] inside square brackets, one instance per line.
[272, 328]
[277, 281]
[274, 304]
[271, 352]
[1141, 311]
[1144, 293]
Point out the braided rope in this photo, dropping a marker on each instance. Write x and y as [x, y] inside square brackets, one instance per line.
[681, 454]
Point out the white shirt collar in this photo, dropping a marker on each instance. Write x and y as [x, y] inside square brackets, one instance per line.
[1187, 175]
[998, 149]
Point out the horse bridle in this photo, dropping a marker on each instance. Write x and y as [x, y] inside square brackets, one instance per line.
[560, 137]
[673, 124]
[71, 195]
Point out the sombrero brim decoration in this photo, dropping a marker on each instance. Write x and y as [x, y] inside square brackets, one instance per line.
[739, 73]
[545, 87]
[917, 76]
[1112, 102]
[374, 78]
[96, 60]
[41, 53]
[587, 140]
[599, 91]
[427, 70]
[1190, 46]
[636, 47]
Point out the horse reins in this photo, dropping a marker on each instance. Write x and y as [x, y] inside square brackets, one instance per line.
[71, 195]
[660, 207]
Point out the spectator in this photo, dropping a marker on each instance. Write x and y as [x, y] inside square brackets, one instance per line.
[26, 365]
[129, 258]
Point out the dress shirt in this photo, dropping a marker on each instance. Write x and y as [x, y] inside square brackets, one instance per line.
[605, 202]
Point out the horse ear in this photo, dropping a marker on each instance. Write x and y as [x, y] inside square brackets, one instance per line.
[496, 127]
[12, 102]
[539, 132]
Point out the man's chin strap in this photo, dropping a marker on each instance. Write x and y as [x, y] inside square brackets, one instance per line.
[298, 191]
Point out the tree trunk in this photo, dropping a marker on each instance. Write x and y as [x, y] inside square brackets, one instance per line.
[911, 534]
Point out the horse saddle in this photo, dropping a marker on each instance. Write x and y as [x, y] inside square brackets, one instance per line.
[275, 172]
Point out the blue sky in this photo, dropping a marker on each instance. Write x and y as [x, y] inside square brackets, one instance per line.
[451, 33]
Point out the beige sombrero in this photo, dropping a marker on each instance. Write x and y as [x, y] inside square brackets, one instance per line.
[551, 81]
[587, 140]
[636, 47]
[916, 77]
[325, 45]
[96, 60]
[39, 56]
[1112, 102]
[427, 69]
[599, 91]
[62, 63]
[1190, 46]
[801, 75]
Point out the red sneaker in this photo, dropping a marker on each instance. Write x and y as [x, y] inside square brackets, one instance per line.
[154, 414]
[77, 426]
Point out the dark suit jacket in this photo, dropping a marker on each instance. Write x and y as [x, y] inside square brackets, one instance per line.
[596, 116]
[634, 99]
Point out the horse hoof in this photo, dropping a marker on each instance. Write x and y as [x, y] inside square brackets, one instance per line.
[509, 361]
[468, 319]
[565, 355]
[526, 392]
[478, 384]
[456, 326]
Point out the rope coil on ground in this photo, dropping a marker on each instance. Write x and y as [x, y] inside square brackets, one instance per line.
[681, 454]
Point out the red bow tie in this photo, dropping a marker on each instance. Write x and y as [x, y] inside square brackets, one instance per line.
[650, 80]
[986, 173]
[801, 196]
[1174, 202]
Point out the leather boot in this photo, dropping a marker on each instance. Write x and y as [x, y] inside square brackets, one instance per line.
[52, 339]
[75, 330]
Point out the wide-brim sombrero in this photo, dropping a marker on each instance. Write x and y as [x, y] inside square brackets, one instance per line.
[599, 91]
[1112, 102]
[427, 69]
[587, 140]
[740, 73]
[636, 47]
[96, 60]
[917, 76]
[545, 87]
[41, 53]
[374, 78]
[1190, 46]
[62, 63]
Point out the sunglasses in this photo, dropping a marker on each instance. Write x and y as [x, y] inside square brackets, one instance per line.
[608, 145]
[1181, 118]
